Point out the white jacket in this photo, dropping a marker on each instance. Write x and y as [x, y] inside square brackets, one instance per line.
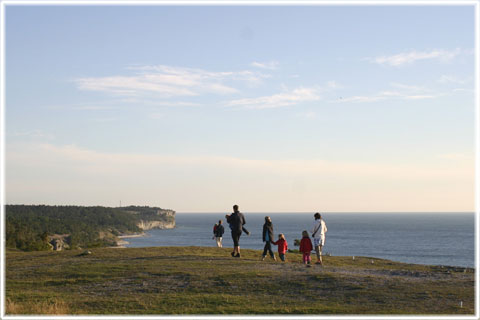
[322, 229]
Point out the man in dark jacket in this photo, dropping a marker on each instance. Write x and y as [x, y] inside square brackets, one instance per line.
[268, 238]
[236, 221]
[218, 233]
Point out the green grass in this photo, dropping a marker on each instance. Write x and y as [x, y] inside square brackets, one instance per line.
[199, 280]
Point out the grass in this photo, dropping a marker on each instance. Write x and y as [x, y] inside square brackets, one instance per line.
[199, 280]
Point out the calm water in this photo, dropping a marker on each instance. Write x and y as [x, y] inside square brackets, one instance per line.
[423, 238]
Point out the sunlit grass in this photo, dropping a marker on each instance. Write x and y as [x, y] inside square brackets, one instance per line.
[200, 280]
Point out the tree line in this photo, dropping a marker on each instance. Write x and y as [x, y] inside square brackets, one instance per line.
[29, 226]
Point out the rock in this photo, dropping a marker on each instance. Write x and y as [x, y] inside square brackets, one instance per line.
[85, 253]
[58, 242]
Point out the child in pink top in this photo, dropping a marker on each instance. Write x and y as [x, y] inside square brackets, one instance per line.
[306, 247]
[282, 246]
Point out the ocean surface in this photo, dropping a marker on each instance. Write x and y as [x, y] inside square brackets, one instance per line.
[421, 238]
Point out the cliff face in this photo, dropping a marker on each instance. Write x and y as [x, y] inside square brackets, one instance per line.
[147, 225]
[158, 219]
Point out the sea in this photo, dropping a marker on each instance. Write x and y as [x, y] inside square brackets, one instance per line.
[421, 238]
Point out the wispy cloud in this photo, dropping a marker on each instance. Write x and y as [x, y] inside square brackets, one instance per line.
[400, 92]
[283, 99]
[34, 134]
[85, 160]
[288, 97]
[93, 107]
[174, 104]
[406, 58]
[272, 65]
[446, 79]
[168, 81]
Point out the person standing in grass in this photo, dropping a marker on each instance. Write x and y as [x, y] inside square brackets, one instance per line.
[318, 234]
[282, 246]
[306, 247]
[236, 221]
[218, 233]
[268, 238]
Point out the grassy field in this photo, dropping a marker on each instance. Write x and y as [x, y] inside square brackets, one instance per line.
[199, 280]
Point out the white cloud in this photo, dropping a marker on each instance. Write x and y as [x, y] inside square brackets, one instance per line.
[135, 85]
[408, 87]
[419, 97]
[167, 81]
[410, 57]
[449, 79]
[463, 90]
[288, 97]
[401, 92]
[34, 134]
[360, 99]
[175, 104]
[283, 99]
[93, 107]
[272, 65]
[456, 83]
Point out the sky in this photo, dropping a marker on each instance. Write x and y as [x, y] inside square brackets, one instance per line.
[274, 108]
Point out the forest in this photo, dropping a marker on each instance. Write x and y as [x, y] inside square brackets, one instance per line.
[28, 227]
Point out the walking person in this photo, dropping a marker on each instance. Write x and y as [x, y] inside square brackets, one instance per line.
[236, 221]
[306, 248]
[268, 238]
[282, 246]
[214, 230]
[318, 234]
[218, 231]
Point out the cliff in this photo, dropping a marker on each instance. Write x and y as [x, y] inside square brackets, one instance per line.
[152, 218]
[147, 225]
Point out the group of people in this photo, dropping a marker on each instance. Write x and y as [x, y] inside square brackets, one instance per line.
[236, 222]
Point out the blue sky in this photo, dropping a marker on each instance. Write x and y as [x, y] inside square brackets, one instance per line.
[276, 108]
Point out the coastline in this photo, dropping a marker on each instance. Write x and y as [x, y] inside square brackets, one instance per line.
[122, 243]
[137, 235]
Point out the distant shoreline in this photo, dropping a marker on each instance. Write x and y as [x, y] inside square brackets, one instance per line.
[132, 235]
[122, 243]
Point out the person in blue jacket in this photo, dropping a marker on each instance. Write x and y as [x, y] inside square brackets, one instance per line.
[268, 238]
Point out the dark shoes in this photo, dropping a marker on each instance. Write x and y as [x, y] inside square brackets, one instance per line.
[233, 254]
[237, 256]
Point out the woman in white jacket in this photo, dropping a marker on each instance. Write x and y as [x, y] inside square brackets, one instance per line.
[318, 235]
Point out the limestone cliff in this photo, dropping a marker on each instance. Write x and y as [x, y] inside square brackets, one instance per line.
[147, 225]
[153, 218]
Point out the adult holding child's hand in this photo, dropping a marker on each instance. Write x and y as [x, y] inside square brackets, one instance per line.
[268, 238]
